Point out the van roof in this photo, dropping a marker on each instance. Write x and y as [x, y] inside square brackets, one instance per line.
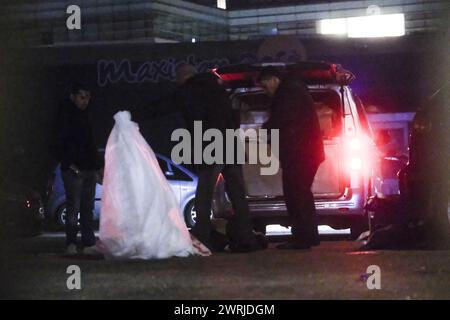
[310, 72]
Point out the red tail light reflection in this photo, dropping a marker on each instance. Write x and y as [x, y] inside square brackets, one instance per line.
[358, 156]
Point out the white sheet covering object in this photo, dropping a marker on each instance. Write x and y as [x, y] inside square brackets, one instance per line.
[140, 217]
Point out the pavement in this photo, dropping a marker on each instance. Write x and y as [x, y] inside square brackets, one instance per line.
[36, 268]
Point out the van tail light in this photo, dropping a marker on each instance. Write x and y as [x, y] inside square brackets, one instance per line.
[349, 126]
[358, 158]
[355, 164]
[355, 144]
[353, 155]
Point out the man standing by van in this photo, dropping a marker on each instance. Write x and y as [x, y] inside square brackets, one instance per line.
[301, 152]
[207, 101]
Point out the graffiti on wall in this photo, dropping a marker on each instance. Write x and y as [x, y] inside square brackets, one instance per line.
[113, 71]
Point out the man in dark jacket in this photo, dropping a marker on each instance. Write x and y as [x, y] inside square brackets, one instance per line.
[77, 153]
[205, 100]
[301, 152]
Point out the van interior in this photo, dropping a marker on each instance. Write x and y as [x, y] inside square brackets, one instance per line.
[254, 110]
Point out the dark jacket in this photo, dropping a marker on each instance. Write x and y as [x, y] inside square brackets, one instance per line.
[207, 101]
[201, 98]
[294, 115]
[75, 139]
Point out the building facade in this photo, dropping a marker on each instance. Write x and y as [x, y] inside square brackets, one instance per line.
[43, 23]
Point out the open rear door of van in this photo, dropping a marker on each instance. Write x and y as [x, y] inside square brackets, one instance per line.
[254, 108]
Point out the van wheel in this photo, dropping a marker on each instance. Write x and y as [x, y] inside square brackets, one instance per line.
[190, 214]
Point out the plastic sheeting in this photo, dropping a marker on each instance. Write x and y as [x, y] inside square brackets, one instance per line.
[140, 217]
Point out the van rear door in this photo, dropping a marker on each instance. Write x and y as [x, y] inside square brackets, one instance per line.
[254, 109]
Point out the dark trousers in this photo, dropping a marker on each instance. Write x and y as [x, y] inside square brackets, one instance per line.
[239, 227]
[297, 182]
[80, 197]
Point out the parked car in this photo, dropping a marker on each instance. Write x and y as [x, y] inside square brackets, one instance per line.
[349, 174]
[21, 210]
[182, 181]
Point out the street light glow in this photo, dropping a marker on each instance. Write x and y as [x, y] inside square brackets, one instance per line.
[222, 4]
[333, 26]
[388, 25]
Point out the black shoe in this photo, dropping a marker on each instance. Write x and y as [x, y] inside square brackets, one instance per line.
[244, 247]
[216, 242]
[258, 242]
[261, 241]
[291, 245]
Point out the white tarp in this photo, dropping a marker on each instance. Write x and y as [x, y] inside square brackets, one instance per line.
[140, 217]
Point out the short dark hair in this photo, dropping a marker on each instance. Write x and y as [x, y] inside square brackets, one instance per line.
[269, 72]
[77, 86]
[184, 71]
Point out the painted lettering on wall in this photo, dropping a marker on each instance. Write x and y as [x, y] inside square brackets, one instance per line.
[112, 71]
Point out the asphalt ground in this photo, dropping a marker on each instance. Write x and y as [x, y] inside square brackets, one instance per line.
[36, 268]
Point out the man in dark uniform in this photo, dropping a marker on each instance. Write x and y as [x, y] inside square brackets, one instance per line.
[77, 153]
[205, 100]
[301, 152]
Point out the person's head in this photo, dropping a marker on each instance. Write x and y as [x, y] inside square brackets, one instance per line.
[184, 72]
[80, 96]
[269, 79]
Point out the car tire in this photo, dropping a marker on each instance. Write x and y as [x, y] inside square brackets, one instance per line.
[190, 214]
[60, 215]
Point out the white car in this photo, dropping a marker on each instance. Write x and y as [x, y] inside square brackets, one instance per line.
[182, 181]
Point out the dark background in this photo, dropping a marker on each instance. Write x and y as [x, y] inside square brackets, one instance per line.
[392, 75]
